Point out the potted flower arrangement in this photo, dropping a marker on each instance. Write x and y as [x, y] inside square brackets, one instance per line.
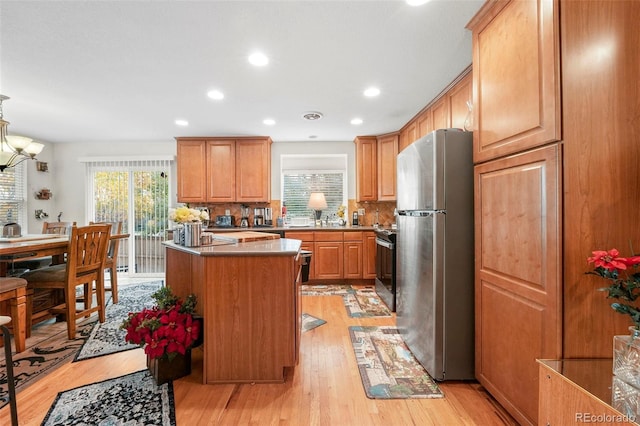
[189, 218]
[624, 286]
[167, 332]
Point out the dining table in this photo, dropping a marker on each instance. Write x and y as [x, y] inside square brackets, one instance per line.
[35, 246]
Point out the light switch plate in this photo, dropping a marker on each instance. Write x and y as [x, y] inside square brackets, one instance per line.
[360, 212]
[227, 212]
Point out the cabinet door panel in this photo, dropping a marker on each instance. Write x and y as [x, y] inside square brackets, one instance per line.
[387, 153]
[440, 114]
[353, 260]
[518, 274]
[191, 169]
[516, 95]
[369, 261]
[253, 177]
[328, 260]
[221, 171]
[366, 169]
[459, 95]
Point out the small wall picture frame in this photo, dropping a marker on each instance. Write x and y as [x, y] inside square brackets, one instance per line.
[42, 166]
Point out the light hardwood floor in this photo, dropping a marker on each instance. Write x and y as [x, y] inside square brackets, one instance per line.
[324, 389]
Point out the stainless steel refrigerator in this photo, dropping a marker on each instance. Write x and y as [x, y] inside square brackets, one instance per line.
[435, 252]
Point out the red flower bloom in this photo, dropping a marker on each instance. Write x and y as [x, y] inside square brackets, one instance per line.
[608, 260]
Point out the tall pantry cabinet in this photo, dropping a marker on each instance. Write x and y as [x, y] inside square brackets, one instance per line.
[547, 195]
[518, 189]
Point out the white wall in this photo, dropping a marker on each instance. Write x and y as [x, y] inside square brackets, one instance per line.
[67, 179]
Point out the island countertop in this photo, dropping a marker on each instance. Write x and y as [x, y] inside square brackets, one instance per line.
[276, 247]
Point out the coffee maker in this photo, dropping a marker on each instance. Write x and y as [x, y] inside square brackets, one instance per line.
[258, 216]
[244, 216]
[268, 216]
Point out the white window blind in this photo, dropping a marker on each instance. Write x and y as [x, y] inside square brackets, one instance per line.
[304, 174]
[136, 193]
[12, 195]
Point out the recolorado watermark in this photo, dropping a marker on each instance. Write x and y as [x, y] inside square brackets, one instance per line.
[604, 418]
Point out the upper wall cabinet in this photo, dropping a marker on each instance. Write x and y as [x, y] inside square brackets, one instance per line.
[222, 170]
[192, 171]
[516, 87]
[366, 168]
[376, 167]
[387, 153]
[448, 110]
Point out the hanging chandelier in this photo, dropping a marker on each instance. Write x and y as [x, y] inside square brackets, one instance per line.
[15, 149]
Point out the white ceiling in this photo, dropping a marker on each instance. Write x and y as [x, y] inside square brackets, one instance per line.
[102, 71]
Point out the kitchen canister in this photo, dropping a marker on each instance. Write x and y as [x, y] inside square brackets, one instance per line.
[178, 235]
[192, 231]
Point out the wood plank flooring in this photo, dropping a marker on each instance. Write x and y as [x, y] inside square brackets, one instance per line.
[324, 389]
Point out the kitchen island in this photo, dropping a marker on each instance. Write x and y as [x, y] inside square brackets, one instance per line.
[249, 296]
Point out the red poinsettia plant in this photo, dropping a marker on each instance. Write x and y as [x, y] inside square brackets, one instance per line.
[165, 330]
[624, 283]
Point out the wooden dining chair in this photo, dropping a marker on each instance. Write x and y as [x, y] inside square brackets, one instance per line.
[62, 228]
[112, 259]
[13, 294]
[86, 256]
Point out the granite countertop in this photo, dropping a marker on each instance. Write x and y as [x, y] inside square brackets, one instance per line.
[277, 247]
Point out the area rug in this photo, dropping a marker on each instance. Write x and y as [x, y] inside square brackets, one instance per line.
[325, 289]
[360, 302]
[107, 337]
[133, 399]
[364, 302]
[387, 367]
[43, 358]
[309, 322]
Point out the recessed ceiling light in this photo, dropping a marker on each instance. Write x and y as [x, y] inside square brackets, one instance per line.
[215, 94]
[312, 115]
[356, 121]
[269, 121]
[258, 59]
[182, 123]
[312, 136]
[371, 92]
[416, 2]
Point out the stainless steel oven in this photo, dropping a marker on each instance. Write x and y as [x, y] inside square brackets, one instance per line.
[386, 266]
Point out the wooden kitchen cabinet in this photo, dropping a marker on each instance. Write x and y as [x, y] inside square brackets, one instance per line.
[458, 96]
[425, 123]
[353, 254]
[440, 113]
[253, 170]
[376, 167]
[222, 170]
[192, 171]
[387, 153]
[369, 260]
[328, 255]
[516, 82]
[366, 168]
[518, 284]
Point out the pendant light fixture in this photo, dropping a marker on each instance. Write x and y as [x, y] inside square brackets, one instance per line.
[15, 149]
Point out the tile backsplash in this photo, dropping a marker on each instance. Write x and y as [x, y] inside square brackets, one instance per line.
[384, 210]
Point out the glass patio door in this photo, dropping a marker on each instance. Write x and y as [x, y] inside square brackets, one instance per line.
[137, 194]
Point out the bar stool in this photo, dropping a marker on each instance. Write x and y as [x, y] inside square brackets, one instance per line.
[9, 361]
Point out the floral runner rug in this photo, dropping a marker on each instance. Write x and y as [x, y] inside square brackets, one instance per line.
[309, 322]
[361, 301]
[107, 337]
[387, 367]
[133, 399]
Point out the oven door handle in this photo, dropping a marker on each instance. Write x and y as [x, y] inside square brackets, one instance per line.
[383, 243]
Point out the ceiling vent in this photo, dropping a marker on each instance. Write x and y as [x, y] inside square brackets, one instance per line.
[312, 115]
